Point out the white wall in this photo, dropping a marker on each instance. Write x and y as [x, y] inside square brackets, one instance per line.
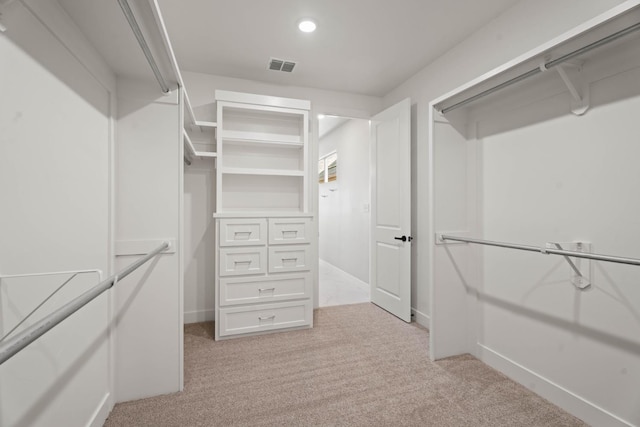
[343, 218]
[584, 341]
[201, 88]
[148, 312]
[199, 303]
[55, 161]
[519, 29]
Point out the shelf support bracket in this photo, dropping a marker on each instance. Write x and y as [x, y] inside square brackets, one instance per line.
[580, 277]
[578, 88]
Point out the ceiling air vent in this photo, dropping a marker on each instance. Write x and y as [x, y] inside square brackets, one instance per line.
[275, 64]
[281, 65]
[287, 67]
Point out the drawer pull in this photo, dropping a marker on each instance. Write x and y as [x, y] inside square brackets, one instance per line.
[289, 262]
[266, 289]
[241, 235]
[289, 234]
[247, 263]
[273, 316]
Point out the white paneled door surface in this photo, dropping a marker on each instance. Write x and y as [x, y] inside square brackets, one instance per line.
[391, 210]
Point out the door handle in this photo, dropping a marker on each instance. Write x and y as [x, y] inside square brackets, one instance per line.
[404, 238]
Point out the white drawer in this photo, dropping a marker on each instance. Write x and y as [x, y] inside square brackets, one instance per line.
[265, 317]
[243, 232]
[237, 261]
[289, 230]
[246, 290]
[289, 258]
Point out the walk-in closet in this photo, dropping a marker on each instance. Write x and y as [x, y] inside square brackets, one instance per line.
[177, 178]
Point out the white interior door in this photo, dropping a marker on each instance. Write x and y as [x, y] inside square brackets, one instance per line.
[391, 210]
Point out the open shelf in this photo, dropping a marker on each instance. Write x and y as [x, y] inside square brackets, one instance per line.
[191, 149]
[267, 138]
[205, 125]
[256, 144]
[258, 156]
[261, 213]
[206, 154]
[198, 131]
[245, 192]
[261, 122]
[273, 172]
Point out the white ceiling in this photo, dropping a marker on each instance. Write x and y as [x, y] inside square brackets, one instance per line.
[361, 46]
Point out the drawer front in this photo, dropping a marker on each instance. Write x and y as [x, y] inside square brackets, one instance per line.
[265, 317]
[247, 290]
[289, 230]
[237, 261]
[243, 232]
[289, 258]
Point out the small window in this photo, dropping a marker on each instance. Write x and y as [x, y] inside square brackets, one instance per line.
[328, 167]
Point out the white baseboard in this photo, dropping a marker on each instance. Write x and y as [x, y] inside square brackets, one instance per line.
[421, 318]
[560, 396]
[199, 316]
[102, 412]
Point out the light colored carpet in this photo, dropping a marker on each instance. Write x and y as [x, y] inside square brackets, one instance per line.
[358, 366]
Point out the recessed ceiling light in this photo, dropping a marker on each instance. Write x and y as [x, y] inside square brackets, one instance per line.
[307, 26]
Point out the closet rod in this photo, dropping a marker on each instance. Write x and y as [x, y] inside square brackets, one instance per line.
[545, 66]
[124, 5]
[13, 345]
[545, 251]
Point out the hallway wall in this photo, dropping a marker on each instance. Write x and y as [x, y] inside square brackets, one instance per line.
[344, 212]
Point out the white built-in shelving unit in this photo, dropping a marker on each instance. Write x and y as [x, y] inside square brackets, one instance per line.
[263, 154]
[264, 231]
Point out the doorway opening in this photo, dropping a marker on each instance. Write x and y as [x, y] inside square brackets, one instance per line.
[343, 210]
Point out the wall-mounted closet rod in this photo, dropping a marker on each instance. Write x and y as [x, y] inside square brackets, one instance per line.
[545, 251]
[545, 66]
[12, 346]
[124, 5]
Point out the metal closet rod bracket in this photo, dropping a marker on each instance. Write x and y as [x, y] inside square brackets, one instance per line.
[571, 75]
[581, 269]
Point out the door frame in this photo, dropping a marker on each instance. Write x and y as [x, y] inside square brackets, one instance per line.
[314, 191]
[315, 187]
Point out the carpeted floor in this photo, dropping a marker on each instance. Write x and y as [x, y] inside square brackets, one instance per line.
[358, 366]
